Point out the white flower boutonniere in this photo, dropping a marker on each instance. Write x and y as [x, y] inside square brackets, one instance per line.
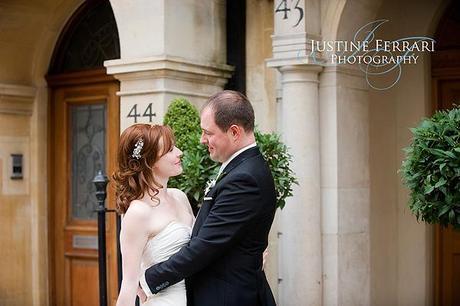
[213, 182]
[209, 185]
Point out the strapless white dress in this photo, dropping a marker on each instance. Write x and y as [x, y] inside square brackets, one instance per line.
[159, 248]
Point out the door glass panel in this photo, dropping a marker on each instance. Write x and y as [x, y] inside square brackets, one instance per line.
[88, 134]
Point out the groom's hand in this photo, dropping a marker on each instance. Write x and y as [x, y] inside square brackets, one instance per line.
[141, 294]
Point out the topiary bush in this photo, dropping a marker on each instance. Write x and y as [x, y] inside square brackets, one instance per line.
[431, 169]
[184, 120]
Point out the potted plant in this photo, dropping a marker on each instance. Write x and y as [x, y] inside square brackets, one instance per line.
[431, 169]
[184, 120]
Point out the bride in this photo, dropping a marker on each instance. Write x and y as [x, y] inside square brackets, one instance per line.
[156, 220]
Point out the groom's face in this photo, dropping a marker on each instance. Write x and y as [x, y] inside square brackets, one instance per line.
[219, 143]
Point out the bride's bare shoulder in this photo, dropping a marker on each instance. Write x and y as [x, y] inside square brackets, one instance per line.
[137, 210]
[181, 197]
[178, 193]
[135, 221]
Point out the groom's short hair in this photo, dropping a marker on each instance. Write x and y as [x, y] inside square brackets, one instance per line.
[231, 107]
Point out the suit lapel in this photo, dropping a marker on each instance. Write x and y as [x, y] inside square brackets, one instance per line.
[207, 205]
[201, 216]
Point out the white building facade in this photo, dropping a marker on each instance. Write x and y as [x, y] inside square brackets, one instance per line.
[346, 237]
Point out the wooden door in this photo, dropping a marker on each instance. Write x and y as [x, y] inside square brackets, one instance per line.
[447, 241]
[84, 135]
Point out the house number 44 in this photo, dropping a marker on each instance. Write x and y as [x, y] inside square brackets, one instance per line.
[133, 113]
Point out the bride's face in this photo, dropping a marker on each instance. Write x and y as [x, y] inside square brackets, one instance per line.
[169, 164]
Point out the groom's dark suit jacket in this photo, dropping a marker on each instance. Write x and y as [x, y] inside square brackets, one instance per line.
[222, 264]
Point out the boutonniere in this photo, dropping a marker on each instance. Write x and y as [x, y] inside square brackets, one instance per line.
[209, 185]
[213, 182]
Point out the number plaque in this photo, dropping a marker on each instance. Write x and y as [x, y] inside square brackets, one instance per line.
[285, 9]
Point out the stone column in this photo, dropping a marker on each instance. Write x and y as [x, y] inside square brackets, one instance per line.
[345, 186]
[157, 64]
[300, 267]
[300, 251]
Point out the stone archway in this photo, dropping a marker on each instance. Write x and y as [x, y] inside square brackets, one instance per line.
[345, 177]
[399, 250]
[372, 251]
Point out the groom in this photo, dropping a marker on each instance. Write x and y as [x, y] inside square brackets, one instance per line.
[222, 264]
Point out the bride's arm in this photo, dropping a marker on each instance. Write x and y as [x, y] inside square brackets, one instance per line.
[133, 237]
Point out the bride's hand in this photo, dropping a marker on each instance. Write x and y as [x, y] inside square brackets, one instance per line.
[264, 258]
[141, 294]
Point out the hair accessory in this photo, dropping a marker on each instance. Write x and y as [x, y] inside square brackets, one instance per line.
[138, 148]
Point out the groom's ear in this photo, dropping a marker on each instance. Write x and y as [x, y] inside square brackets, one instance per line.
[235, 131]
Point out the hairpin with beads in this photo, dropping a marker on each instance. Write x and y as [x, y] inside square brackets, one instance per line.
[138, 148]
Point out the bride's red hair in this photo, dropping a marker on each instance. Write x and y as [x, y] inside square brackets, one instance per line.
[134, 176]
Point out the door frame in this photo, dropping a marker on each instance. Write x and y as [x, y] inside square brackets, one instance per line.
[80, 78]
[440, 74]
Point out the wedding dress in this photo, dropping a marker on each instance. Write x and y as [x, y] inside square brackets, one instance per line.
[159, 248]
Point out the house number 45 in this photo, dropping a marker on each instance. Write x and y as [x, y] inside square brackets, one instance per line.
[284, 9]
[147, 113]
